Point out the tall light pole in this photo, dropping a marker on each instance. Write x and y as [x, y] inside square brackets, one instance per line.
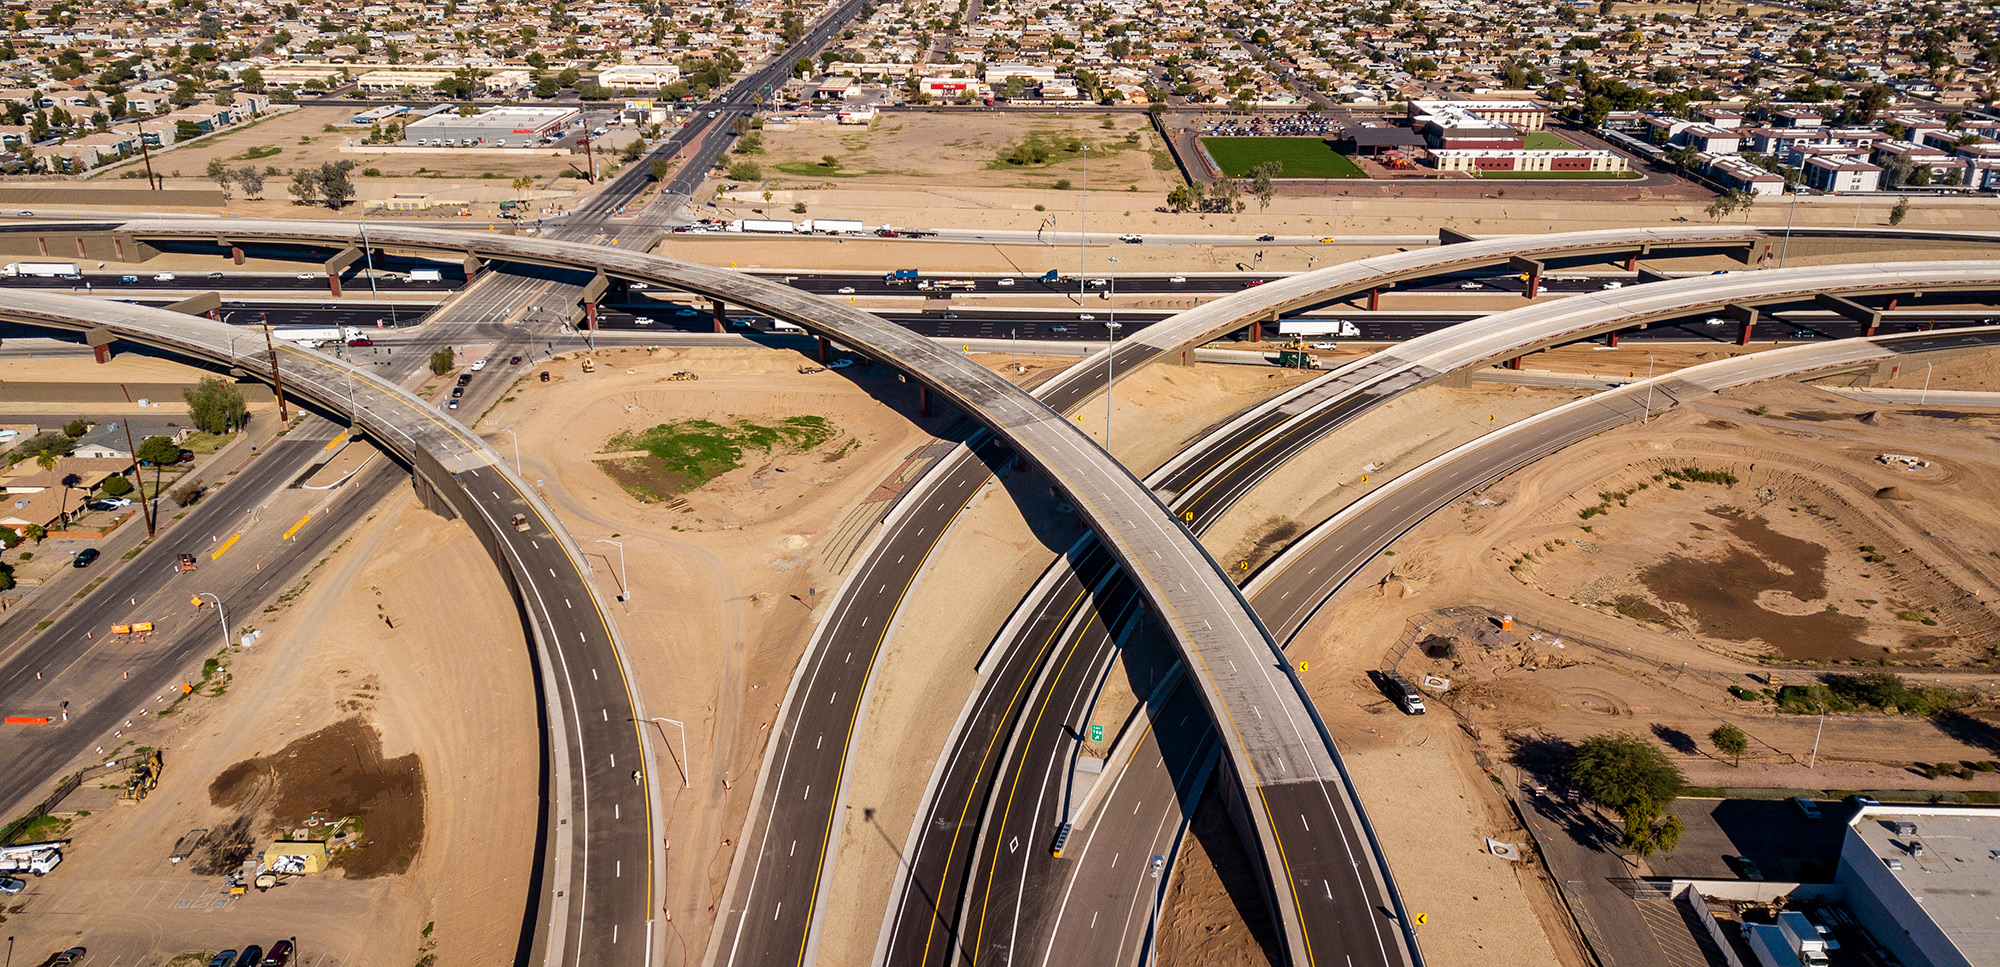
[625, 587]
[1926, 394]
[224, 615]
[1648, 418]
[1814, 761]
[683, 763]
[517, 447]
[1789, 219]
[1110, 344]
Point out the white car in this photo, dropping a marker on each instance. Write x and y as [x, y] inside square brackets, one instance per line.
[1178, 279]
[1715, 321]
[1472, 285]
[165, 277]
[1085, 316]
[1612, 285]
[845, 290]
[1325, 345]
[307, 276]
[1132, 239]
[478, 364]
[636, 285]
[1005, 282]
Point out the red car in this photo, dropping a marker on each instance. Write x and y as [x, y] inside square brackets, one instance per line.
[1253, 282]
[514, 361]
[361, 341]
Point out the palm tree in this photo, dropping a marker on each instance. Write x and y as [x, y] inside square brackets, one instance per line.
[69, 480]
[35, 532]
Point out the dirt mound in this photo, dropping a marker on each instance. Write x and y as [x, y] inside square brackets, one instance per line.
[1872, 418]
[1892, 493]
[335, 772]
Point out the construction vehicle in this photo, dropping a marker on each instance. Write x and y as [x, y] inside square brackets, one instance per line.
[184, 563]
[1295, 355]
[520, 522]
[809, 370]
[145, 778]
[682, 376]
[590, 365]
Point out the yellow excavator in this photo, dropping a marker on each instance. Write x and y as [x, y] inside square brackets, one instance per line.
[145, 777]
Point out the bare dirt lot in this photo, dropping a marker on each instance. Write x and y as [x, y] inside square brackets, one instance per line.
[389, 688]
[1768, 585]
[946, 153]
[311, 136]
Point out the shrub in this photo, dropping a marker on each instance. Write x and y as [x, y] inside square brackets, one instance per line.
[116, 487]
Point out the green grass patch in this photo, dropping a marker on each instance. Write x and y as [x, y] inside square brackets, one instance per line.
[41, 829]
[261, 151]
[1544, 141]
[201, 442]
[1873, 691]
[1558, 175]
[813, 169]
[1302, 157]
[685, 454]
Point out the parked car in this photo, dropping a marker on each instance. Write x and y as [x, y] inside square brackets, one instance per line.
[451, 405]
[280, 955]
[10, 885]
[86, 556]
[226, 958]
[252, 956]
[68, 958]
[1746, 868]
[457, 391]
[1132, 239]
[545, 376]
[110, 503]
[1806, 807]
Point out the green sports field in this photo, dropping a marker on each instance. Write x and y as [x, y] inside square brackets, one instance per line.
[1302, 157]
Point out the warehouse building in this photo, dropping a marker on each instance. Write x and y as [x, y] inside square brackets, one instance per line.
[1921, 880]
[500, 127]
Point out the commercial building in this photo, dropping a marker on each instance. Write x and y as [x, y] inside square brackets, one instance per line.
[1737, 173]
[1522, 115]
[1446, 125]
[1922, 881]
[500, 127]
[1518, 159]
[998, 74]
[638, 75]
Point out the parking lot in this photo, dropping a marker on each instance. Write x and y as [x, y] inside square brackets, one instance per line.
[1780, 841]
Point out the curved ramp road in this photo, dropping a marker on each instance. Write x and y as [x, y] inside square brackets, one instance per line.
[1275, 743]
[1200, 484]
[596, 862]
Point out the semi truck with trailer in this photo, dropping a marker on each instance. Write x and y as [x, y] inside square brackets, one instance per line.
[768, 226]
[39, 270]
[831, 226]
[313, 336]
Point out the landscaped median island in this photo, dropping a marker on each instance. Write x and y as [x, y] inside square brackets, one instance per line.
[659, 462]
[1302, 157]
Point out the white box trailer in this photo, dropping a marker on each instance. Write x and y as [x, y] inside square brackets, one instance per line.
[316, 334]
[832, 226]
[1318, 327]
[40, 270]
[426, 275]
[774, 226]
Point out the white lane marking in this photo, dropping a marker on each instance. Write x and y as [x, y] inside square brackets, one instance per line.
[536, 543]
[614, 759]
[552, 572]
[1093, 919]
[616, 812]
[1257, 711]
[794, 850]
[830, 698]
[567, 604]
[606, 713]
[808, 794]
[593, 677]
[618, 869]
[819, 741]
[850, 658]
[899, 558]
[864, 620]
[780, 909]
[1302, 822]
[580, 637]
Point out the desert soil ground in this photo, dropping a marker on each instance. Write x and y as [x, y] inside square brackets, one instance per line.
[1642, 624]
[390, 685]
[312, 135]
[970, 151]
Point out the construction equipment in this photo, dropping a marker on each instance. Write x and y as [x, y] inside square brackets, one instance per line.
[520, 522]
[145, 777]
[682, 376]
[184, 563]
[809, 370]
[1296, 355]
[590, 365]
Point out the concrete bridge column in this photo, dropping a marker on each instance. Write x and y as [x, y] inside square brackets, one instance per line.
[333, 283]
[236, 254]
[1611, 339]
[1374, 299]
[1514, 364]
[1257, 331]
[590, 315]
[1743, 332]
[1632, 262]
[720, 312]
[825, 349]
[924, 400]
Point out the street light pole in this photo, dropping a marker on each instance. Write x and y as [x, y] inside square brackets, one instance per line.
[219, 612]
[683, 763]
[1648, 418]
[1110, 347]
[1926, 394]
[1789, 219]
[517, 447]
[1814, 761]
[625, 587]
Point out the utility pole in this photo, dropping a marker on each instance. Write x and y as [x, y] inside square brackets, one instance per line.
[277, 384]
[133, 448]
[1814, 761]
[151, 181]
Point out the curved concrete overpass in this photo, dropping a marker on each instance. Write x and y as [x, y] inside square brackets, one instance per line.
[582, 901]
[1281, 755]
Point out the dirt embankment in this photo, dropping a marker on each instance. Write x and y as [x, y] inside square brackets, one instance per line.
[333, 774]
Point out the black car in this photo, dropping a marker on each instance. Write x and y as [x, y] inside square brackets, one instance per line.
[457, 391]
[253, 956]
[1267, 238]
[85, 557]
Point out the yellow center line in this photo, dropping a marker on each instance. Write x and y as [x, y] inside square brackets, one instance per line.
[336, 441]
[226, 545]
[295, 527]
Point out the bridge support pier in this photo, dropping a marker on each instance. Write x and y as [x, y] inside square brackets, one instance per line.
[719, 312]
[1374, 300]
[99, 341]
[1611, 339]
[1514, 364]
[236, 254]
[825, 349]
[924, 407]
[1632, 262]
[333, 283]
[590, 315]
[1532, 269]
[1743, 333]
[1257, 331]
